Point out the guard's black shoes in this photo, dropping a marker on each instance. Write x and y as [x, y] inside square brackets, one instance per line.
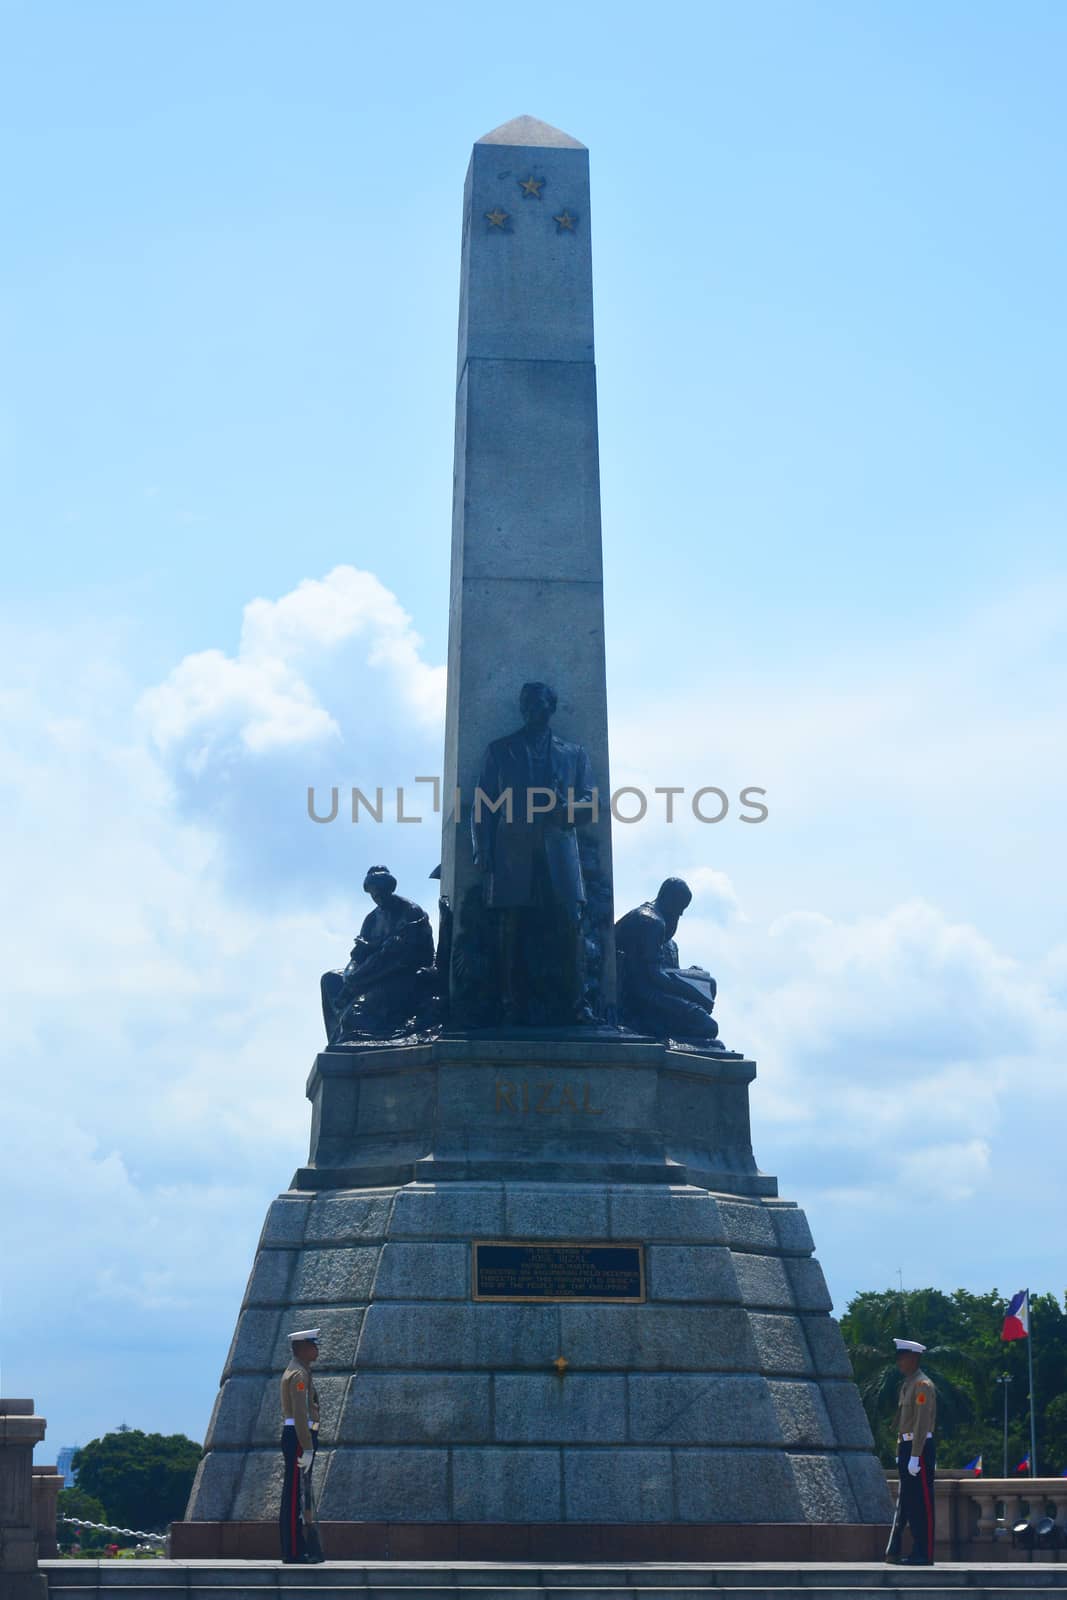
[916, 1561]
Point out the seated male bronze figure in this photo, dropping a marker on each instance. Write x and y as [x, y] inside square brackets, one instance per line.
[654, 996]
[389, 979]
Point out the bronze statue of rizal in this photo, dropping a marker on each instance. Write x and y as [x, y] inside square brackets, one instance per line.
[534, 791]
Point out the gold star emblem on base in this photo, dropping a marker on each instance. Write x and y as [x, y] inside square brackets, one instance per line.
[561, 1364]
[564, 222]
[531, 187]
[496, 218]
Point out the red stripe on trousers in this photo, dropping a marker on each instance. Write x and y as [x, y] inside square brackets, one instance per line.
[929, 1511]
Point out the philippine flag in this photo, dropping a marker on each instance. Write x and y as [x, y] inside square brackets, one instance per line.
[1024, 1464]
[1017, 1321]
[974, 1466]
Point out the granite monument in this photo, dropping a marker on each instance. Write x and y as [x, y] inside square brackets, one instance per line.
[562, 1310]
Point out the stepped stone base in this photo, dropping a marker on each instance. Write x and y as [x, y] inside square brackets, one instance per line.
[725, 1397]
[560, 1541]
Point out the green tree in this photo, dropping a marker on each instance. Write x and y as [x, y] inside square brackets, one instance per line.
[1054, 1430]
[966, 1356]
[870, 1324]
[76, 1503]
[143, 1479]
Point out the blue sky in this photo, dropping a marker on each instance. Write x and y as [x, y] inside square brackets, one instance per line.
[828, 260]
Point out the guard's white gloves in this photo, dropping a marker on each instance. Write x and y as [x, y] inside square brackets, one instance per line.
[913, 1466]
[305, 1461]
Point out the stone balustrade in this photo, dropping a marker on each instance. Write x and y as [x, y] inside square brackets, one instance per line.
[975, 1516]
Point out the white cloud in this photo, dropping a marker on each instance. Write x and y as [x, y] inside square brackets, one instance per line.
[291, 652]
[210, 700]
[947, 1172]
[935, 770]
[877, 1002]
[714, 893]
[328, 688]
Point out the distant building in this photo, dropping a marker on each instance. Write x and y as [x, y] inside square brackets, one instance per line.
[63, 1464]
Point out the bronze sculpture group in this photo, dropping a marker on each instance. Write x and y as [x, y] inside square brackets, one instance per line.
[534, 793]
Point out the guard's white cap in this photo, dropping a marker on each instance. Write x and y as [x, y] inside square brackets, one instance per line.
[912, 1345]
[304, 1333]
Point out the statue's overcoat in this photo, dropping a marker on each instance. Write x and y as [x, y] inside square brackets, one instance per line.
[527, 862]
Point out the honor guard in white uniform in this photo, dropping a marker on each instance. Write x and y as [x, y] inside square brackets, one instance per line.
[300, 1426]
[916, 1416]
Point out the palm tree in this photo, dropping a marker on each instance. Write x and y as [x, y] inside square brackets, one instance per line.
[870, 1326]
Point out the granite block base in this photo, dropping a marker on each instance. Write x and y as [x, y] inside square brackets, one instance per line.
[551, 1541]
[720, 1395]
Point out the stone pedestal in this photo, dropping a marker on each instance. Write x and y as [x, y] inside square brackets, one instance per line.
[724, 1398]
[593, 1107]
[20, 1430]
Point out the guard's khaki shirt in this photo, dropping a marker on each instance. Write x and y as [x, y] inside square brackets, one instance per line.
[300, 1401]
[916, 1410]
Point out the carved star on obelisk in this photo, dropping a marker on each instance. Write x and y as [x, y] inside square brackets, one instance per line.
[531, 188]
[496, 218]
[564, 222]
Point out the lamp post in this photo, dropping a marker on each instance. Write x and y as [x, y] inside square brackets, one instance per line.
[1004, 1380]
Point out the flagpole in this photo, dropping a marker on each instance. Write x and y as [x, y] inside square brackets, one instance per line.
[1004, 1380]
[1030, 1365]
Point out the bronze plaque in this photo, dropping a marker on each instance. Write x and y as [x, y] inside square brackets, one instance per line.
[512, 1269]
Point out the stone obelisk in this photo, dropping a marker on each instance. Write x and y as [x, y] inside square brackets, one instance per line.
[527, 573]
